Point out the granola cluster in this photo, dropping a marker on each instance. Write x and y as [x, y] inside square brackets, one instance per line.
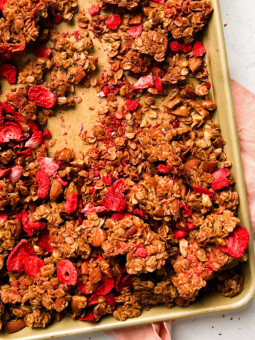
[147, 214]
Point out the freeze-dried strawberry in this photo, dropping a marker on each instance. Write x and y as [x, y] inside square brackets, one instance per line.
[7, 108]
[2, 3]
[82, 288]
[91, 209]
[35, 140]
[88, 317]
[8, 51]
[33, 126]
[93, 10]
[24, 153]
[1, 114]
[161, 2]
[32, 265]
[105, 287]
[5, 172]
[42, 96]
[179, 233]
[59, 179]
[113, 22]
[123, 280]
[28, 224]
[131, 104]
[140, 213]
[198, 49]
[144, 82]
[44, 241]
[158, 84]
[163, 169]
[220, 179]
[3, 217]
[15, 261]
[107, 180]
[191, 225]
[9, 72]
[236, 242]
[43, 184]
[67, 272]
[110, 300]
[58, 18]
[201, 190]
[114, 202]
[93, 300]
[47, 134]
[47, 165]
[10, 131]
[175, 46]
[16, 173]
[119, 216]
[208, 85]
[140, 251]
[43, 52]
[135, 31]
[71, 203]
[117, 186]
[186, 208]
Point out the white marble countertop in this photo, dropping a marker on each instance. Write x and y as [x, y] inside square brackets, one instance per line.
[239, 28]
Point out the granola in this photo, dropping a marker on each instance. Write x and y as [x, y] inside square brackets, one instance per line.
[147, 214]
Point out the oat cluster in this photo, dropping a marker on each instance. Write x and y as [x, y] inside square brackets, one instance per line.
[146, 215]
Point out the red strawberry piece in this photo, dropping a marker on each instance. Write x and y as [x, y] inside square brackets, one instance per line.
[123, 280]
[105, 287]
[114, 202]
[198, 49]
[135, 31]
[35, 140]
[110, 300]
[71, 203]
[44, 241]
[236, 242]
[59, 179]
[8, 51]
[119, 216]
[24, 153]
[93, 10]
[175, 46]
[93, 300]
[117, 186]
[88, 317]
[2, 3]
[1, 114]
[161, 2]
[67, 272]
[10, 131]
[16, 173]
[9, 72]
[201, 190]
[43, 184]
[47, 165]
[186, 208]
[33, 126]
[43, 52]
[163, 169]
[90, 209]
[179, 233]
[144, 82]
[42, 96]
[113, 22]
[140, 213]
[33, 265]
[15, 261]
[191, 225]
[131, 105]
[3, 217]
[8, 109]
[5, 172]
[140, 251]
[58, 18]
[107, 180]
[220, 179]
[47, 134]
[208, 85]
[158, 84]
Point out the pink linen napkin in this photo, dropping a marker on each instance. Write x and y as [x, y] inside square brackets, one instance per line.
[244, 102]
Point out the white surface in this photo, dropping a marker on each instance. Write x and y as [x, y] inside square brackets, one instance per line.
[238, 16]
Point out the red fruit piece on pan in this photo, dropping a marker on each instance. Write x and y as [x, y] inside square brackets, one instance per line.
[198, 49]
[10, 131]
[16, 173]
[114, 202]
[123, 280]
[47, 165]
[144, 82]
[140, 251]
[139, 213]
[33, 265]
[42, 96]
[131, 104]
[15, 261]
[186, 208]
[44, 241]
[2, 3]
[113, 22]
[67, 272]
[43, 184]
[200, 190]
[93, 10]
[35, 140]
[105, 287]
[175, 46]
[135, 31]
[9, 72]
[110, 300]
[24, 153]
[5, 172]
[236, 242]
[107, 180]
[119, 216]
[57, 18]
[43, 52]
[158, 84]
[163, 169]
[88, 317]
[220, 179]
[179, 233]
